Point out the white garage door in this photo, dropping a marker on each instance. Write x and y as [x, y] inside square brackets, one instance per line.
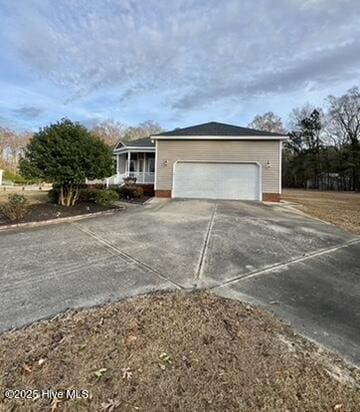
[212, 180]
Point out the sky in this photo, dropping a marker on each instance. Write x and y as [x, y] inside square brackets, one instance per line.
[175, 62]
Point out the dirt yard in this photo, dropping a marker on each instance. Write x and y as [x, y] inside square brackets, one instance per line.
[174, 352]
[340, 208]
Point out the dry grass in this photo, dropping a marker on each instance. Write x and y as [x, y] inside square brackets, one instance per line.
[34, 196]
[340, 208]
[175, 352]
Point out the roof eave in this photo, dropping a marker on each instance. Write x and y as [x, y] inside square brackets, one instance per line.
[135, 148]
[211, 137]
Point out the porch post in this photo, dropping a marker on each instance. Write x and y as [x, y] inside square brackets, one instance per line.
[128, 163]
[145, 167]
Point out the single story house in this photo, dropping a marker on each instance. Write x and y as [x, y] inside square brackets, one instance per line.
[207, 161]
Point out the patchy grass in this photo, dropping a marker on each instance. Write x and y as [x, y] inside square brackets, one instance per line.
[175, 352]
[340, 208]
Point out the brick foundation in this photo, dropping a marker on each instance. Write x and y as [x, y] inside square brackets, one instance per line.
[266, 197]
[163, 193]
[271, 197]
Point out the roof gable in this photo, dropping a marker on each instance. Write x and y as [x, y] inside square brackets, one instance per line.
[119, 145]
[143, 142]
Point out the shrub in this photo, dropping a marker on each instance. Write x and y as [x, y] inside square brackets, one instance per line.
[96, 186]
[18, 179]
[88, 194]
[125, 193]
[15, 208]
[10, 175]
[106, 197]
[130, 192]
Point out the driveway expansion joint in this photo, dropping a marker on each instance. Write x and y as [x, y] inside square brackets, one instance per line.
[205, 246]
[281, 265]
[125, 256]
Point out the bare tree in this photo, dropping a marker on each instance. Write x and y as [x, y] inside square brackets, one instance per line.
[12, 146]
[268, 122]
[298, 114]
[144, 129]
[344, 116]
[110, 132]
[4, 142]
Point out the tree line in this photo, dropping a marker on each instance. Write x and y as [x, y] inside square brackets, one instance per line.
[13, 144]
[323, 150]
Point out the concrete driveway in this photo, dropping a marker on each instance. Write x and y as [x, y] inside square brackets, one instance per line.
[306, 271]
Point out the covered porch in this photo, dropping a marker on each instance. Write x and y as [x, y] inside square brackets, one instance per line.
[135, 159]
[140, 165]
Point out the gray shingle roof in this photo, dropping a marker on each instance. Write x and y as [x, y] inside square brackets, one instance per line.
[143, 142]
[216, 129]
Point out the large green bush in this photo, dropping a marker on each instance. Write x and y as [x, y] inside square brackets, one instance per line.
[15, 208]
[65, 154]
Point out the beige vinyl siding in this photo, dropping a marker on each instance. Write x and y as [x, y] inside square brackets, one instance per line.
[215, 150]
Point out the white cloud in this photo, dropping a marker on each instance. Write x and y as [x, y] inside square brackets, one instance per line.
[192, 52]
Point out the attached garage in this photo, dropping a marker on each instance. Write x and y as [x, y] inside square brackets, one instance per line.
[217, 180]
[218, 161]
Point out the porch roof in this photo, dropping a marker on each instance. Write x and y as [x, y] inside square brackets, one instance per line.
[144, 144]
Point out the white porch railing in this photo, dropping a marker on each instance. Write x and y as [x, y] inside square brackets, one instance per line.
[142, 177]
[118, 179]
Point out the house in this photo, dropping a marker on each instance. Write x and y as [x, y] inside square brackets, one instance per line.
[211, 161]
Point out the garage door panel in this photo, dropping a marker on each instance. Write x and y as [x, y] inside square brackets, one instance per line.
[212, 180]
